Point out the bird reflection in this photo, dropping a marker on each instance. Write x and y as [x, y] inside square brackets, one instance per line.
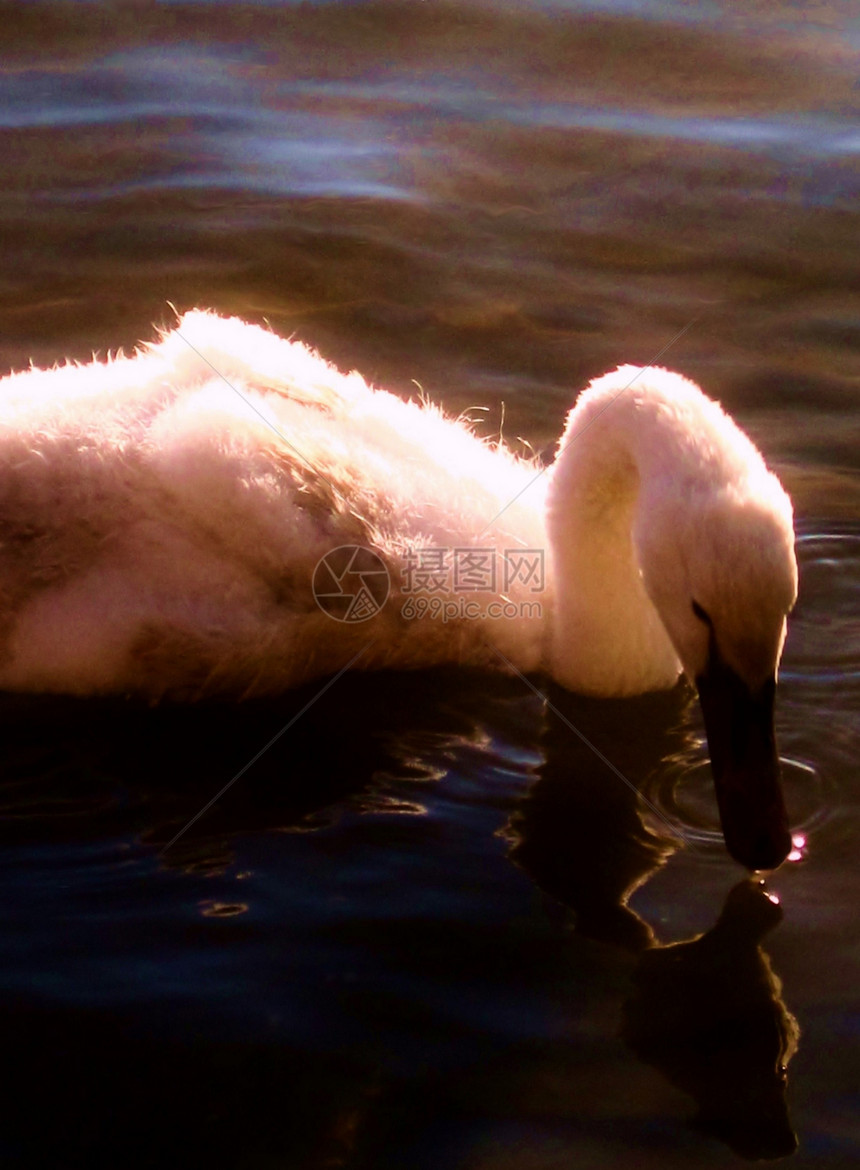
[707, 1012]
[579, 833]
[148, 772]
[709, 1015]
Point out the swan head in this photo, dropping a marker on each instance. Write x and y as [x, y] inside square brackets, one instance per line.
[718, 563]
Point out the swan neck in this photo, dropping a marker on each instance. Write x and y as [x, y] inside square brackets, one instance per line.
[607, 637]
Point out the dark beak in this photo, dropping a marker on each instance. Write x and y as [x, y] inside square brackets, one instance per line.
[745, 764]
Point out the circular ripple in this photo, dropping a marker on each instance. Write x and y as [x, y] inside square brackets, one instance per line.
[682, 796]
[824, 630]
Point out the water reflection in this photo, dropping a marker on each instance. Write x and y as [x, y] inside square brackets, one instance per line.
[120, 768]
[579, 833]
[707, 1012]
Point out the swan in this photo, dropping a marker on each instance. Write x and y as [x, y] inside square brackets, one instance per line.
[179, 523]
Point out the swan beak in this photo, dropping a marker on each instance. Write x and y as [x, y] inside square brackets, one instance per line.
[745, 764]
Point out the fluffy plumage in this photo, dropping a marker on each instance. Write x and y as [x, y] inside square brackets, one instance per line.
[161, 516]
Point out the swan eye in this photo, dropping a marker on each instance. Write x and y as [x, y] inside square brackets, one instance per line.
[700, 613]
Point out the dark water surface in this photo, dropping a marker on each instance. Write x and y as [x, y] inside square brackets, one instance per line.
[399, 940]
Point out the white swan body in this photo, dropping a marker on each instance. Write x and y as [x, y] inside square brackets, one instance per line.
[161, 517]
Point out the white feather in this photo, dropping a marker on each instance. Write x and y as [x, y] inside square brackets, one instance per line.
[161, 516]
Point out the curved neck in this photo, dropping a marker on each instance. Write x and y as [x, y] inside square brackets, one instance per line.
[607, 638]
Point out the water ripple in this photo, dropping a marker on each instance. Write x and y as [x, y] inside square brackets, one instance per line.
[824, 631]
[683, 792]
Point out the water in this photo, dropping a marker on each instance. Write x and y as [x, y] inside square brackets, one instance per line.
[364, 954]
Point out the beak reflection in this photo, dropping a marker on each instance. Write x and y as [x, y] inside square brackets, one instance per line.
[745, 764]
